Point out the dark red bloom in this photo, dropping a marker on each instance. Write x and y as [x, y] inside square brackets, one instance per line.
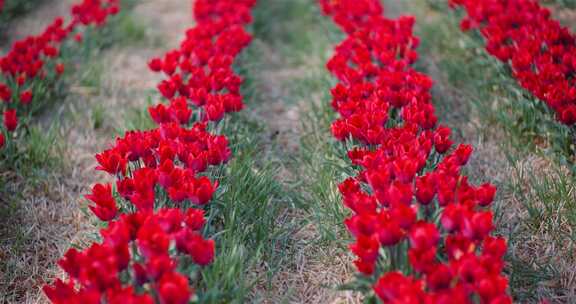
[442, 140]
[425, 189]
[485, 194]
[394, 287]
[111, 161]
[423, 235]
[201, 250]
[173, 288]
[155, 64]
[26, 97]
[366, 248]
[105, 204]
[10, 120]
[195, 219]
[59, 68]
[5, 93]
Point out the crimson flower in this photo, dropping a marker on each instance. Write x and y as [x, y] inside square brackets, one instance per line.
[105, 204]
[59, 68]
[10, 120]
[173, 288]
[26, 97]
[111, 161]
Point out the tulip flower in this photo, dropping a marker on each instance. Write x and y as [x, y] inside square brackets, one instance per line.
[26, 97]
[10, 120]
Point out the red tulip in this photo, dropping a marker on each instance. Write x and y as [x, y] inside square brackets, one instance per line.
[423, 235]
[105, 204]
[5, 93]
[423, 260]
[425, 189]
[173, 288]
[390, 233]
[485, 194]
[10, 120]
[111, 161]
[395, 286]
[59, 69]
[478, 226]
[440, 277]
[195, 219]
[366, 248]
[151, 165]
[548, 80]
[201, 250]
[442, 140]
[155, 64]
[26, 97]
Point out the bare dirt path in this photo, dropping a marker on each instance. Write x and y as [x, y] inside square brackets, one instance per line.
[287, 70]
[108, 89]
[313, 268]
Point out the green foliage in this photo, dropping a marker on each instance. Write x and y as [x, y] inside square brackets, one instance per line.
[299, 44]
[242, 219]
[138, 119]
[98, 116]
[40, 152]
[244, 214]
[131, 32]
[325, 163]
[121, 30]
[91, 76]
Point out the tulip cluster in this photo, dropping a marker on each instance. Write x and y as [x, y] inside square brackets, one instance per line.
[142, 246]
[153, 235]
[541, 52]
[422, 232]
[33, 64]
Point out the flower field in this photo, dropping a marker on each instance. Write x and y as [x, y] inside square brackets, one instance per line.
[287, 151]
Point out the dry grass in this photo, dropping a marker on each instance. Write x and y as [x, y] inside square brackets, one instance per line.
[543, 241]
[312, 270]
[45, 222]
[563, 13]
